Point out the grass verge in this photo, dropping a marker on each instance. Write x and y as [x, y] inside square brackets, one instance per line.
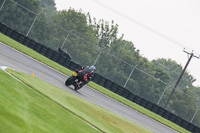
[66, 71]
[24, 110]
[54, 108]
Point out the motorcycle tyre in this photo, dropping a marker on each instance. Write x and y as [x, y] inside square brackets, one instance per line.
[70, 81]
[77, 88]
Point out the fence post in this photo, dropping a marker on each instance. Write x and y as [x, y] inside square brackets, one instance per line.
[161, 96]
[194, 114]
[98, 56]
[32, 24]
[130, 76]
[2, 4]
[66, 38]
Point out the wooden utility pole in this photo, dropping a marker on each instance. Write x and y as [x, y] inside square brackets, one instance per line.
[173, 90]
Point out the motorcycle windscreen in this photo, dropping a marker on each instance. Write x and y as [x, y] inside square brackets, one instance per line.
[87, 70]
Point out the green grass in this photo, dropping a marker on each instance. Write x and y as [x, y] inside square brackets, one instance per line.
[50, 109]
[24, 110]
[62, 69]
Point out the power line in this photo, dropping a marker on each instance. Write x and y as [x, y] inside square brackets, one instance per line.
[141, 24]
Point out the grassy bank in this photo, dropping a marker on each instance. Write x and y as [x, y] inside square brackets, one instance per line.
[36, 106]
[24, 110]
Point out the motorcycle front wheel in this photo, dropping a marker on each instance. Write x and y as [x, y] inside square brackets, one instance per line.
[70, 80]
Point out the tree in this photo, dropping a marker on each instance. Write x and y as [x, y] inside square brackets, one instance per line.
[106, 33]
[174, 70]
[184, 101]
[18, 17]
[49, 7]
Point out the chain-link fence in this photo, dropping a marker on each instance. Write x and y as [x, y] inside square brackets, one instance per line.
[129, 74]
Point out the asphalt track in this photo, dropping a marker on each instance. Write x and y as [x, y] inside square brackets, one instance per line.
[18, 61]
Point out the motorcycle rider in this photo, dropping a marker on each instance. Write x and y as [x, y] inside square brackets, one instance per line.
[86, 75]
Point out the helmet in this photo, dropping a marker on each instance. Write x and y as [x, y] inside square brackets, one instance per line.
[93, 68]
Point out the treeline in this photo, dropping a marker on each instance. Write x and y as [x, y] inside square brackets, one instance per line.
[90, 41]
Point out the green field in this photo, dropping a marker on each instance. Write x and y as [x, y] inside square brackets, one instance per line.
[24, 110]
[39, 107]
[60, 68]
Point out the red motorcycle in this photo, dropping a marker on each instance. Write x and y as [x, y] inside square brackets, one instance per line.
[77, 77]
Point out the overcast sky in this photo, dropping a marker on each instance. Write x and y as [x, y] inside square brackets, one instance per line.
[158, 28]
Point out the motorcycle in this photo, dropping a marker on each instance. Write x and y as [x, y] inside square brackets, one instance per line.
[80, 76]
[74, 80]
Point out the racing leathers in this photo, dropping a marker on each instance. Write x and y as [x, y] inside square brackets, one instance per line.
[86, 75]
